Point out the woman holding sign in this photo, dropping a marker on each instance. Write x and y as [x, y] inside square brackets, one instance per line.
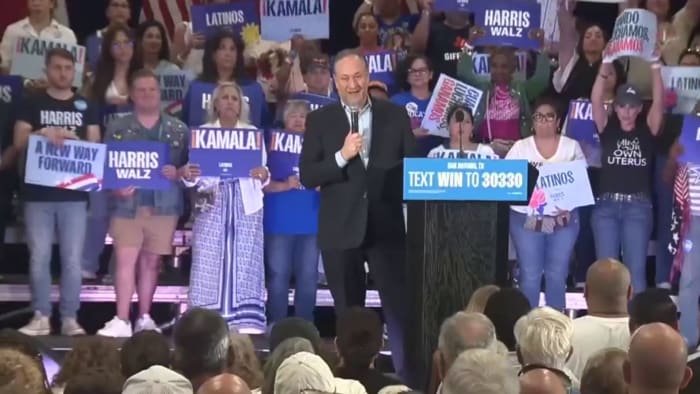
[622, 218]
[227, 236]
[544, 242]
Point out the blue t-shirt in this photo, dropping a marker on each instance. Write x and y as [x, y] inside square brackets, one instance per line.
[404, 25]
[293, 212]
[415, 108]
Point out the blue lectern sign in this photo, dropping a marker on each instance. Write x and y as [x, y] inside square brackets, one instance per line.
[465, 179]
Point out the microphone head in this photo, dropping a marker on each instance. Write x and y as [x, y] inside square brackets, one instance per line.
[459, 116]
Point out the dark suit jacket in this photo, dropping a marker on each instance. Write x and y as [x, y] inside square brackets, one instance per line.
[358, 205]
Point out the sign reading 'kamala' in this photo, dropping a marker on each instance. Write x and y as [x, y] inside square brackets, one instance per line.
[280, 20]
[226, 153]
[29, 55]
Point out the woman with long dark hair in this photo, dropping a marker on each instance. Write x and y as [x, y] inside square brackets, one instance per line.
[622, 218]
[110, 91]
[152, 47]
[461, 138]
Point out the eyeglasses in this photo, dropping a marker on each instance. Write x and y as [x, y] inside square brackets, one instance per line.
[541, 118]
[418, 71]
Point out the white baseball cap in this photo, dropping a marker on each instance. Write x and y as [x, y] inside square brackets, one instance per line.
[306, 372]
[157, 379]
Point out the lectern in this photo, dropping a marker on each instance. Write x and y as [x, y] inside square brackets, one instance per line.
[457, 240]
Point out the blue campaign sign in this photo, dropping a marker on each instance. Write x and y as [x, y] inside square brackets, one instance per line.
[283, 154]
[136, 164]
[507, 22]
[77, 165]
[226, 153]
[451, 5]
[200, 95]
[580, 126]
[236, 16]
[381, 66]
[315, 101]
[465, 179]
[690, 139]
[93, 46]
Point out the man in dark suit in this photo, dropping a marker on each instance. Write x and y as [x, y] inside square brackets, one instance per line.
[361, 213]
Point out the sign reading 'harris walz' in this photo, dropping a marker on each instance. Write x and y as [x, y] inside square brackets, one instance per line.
[507, 23]
[30, 53]
[226, 153]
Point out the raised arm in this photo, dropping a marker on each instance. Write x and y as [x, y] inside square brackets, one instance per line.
[317, 167]
[419, 39]
[567, 43]
[600, 115]
[655, 117]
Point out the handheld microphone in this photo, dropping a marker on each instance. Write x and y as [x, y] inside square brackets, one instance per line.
[459, 117]
[354, 121]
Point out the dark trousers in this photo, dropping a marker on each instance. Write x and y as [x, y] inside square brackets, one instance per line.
[8, 185]
[387, 264]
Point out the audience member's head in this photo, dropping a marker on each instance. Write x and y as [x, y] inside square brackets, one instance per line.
[243, 362]
[504, 308]
[283, 350]
[656, 360]
[88, 353]
[359, 338]
[95, 381]
[292, 327]
[541, 381]
[307, 372]
[144, 350]
[10, 338]
[608, 287]
[201, 340]
[603, 373]
[480, 371]
[463, 331]
[653, 305]
[157, 379]
[224, 384]
[479, 298]
[544, 338]
[19, 373]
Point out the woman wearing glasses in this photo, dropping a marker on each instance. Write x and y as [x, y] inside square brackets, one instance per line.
[544, 243]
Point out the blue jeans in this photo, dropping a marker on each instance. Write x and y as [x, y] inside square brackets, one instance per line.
[541, 253]
[664, 206]
[97, 226]
[287, 255]
[69, 221]
[626, 227]
[585, 245]
[689, 286]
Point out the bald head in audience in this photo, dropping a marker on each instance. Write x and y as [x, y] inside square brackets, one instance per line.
[225, 383]
[656, 360]
[603, 373]
[608, 287]
[541, 381]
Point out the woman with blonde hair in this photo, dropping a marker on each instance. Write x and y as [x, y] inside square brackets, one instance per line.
[479, 298]
[227, 236]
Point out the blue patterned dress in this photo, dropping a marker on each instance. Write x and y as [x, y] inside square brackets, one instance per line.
[227, 261]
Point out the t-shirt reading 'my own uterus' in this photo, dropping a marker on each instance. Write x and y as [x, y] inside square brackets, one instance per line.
[74, 114]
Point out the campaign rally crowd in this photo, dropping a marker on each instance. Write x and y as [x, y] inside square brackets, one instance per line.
[311, 130]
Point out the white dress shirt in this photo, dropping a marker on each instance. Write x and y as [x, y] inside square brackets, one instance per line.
[364, 125]
[22, 28]
[251, 188]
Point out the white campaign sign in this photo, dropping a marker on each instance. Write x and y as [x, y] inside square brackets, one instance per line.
[634, 35]
[685, 81]
[29, 55]
[561, 187]
[448, 91]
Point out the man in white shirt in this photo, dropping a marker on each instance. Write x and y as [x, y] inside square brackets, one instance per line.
[39, 24]
[607, 293]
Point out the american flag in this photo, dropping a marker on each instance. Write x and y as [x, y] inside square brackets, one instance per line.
[169, 12]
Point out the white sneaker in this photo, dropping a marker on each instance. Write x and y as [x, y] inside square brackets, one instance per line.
[70, 327]
[116, 328]
[145, 323]
[87, 275]
[39, 325]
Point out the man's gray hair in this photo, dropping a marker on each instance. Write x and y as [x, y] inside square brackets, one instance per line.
[348, 53]
[463, 331]
[544, 337]
[284, 350]
[481, 371]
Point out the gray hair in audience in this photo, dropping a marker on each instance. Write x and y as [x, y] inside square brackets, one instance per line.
[544, 337]
[463, 331]
[603, 373]
[285, 349]
[213, 116]
[295, 106]
[481, 371]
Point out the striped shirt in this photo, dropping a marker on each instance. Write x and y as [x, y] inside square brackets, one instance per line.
[694, 188]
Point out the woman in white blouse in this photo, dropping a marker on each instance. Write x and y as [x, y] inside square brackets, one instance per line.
[227, 237]
[461, 136]
[544, 243]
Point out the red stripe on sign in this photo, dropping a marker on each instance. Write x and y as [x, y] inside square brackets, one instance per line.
[167, 17]
[184, 10]
[147, 10]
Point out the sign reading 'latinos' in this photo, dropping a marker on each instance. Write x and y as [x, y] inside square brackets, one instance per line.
[29, 54]
[226, 153]
[208, 18]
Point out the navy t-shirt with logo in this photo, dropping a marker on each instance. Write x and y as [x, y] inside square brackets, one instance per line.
[73, 114]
